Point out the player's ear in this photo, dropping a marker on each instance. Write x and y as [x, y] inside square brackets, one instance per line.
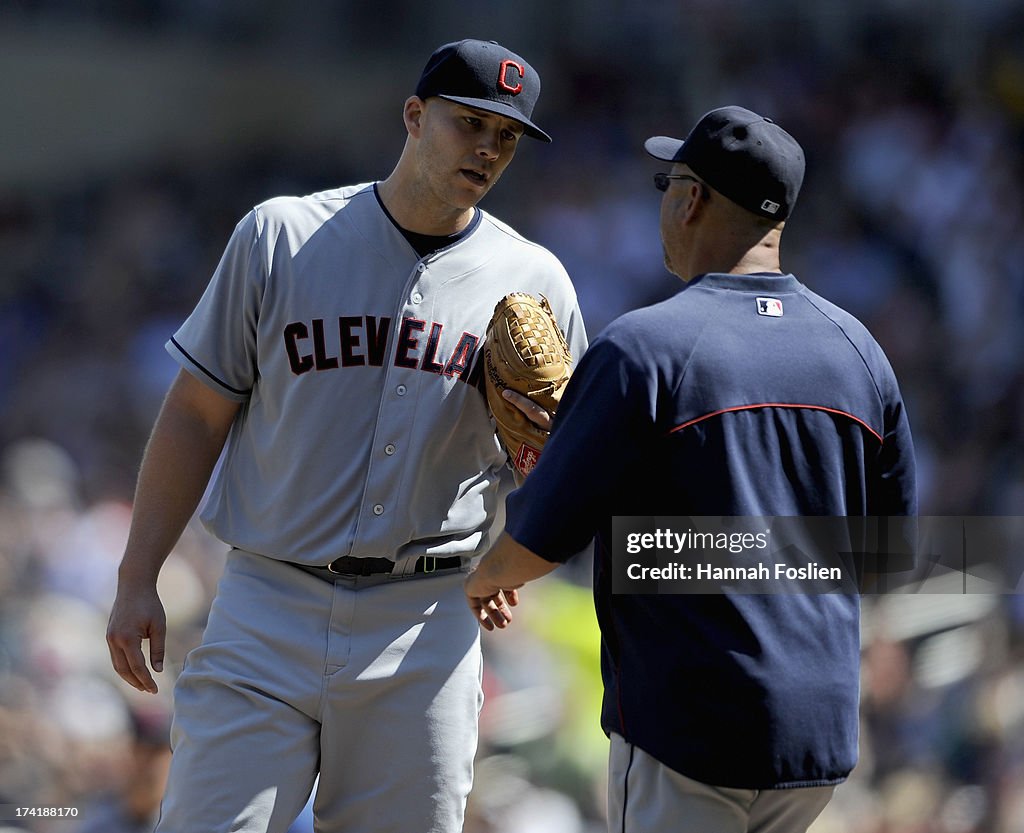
[413, 115]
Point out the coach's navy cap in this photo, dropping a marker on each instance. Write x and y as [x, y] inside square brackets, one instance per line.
[485, 75]
[745, 157]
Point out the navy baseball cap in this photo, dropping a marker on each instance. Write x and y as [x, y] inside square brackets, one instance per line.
[485, 75]
[745, 157]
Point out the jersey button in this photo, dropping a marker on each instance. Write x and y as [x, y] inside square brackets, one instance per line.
[378, 509]
[400, 390]
[416, 297]
[389, 449]
[421, 267]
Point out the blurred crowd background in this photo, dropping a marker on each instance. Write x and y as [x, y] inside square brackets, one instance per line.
[135, 135]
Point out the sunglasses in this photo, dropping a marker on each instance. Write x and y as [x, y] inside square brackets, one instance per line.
[662, 181]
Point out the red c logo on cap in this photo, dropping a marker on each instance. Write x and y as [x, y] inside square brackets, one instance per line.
[506, 65]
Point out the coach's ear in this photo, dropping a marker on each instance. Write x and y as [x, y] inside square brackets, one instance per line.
[696, 202]
[413, 115]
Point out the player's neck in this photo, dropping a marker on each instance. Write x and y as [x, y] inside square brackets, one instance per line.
[416, 209]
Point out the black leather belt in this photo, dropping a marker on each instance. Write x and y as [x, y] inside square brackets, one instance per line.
[352, 566]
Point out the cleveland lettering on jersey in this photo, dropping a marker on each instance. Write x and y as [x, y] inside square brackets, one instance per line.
[311, 347]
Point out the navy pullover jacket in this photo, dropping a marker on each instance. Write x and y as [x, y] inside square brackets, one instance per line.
[743, 395]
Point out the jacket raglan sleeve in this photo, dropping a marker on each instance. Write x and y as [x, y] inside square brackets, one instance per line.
[605, 411]
[892, 486]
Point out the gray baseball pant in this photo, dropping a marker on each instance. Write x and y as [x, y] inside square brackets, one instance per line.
[371, 682]
[645, 796]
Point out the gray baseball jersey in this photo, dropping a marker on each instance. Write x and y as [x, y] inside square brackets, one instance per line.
[361, 431]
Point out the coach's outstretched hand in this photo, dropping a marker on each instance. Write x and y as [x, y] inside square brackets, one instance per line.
[492, 589]
[490, 605]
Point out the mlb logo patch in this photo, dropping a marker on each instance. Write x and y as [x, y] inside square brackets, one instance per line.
[769, 306]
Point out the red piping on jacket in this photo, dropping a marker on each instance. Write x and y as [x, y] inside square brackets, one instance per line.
[859, 421]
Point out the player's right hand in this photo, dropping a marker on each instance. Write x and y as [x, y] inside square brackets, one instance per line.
[137, 615]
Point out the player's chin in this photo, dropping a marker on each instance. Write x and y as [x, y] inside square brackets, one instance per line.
[476, 184]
